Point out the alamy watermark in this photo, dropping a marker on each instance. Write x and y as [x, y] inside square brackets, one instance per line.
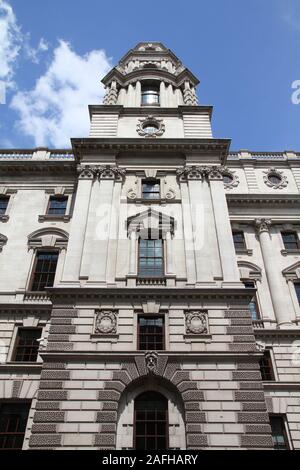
[296, 94]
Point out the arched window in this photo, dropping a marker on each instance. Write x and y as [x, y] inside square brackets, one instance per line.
[150, 94]
[151, 422]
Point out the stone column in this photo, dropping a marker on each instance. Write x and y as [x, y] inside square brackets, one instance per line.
[132, 255]
[231, 277]
[103, 225]
[78, 226]
[114, 232]
[162, 94]
[187, 232]
[280, 301]
[138, 94]
[169, 253]
[200, 208]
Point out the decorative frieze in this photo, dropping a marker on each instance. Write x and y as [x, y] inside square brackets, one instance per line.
[196, 322]
[106, 322]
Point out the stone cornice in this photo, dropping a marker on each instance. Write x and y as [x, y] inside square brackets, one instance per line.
[137, 111]
[70, 295]
[280, 333]
[263, 198]
[88, 146]
[42, 168]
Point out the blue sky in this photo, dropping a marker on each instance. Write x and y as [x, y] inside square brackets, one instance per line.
[54, 53]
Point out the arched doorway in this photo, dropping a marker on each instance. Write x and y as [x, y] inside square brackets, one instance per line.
[151, 421]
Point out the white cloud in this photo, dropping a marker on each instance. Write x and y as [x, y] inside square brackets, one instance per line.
[10, 42]
[56, 108]
[34, 53]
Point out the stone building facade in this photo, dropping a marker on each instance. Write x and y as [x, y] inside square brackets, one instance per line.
[149, 279]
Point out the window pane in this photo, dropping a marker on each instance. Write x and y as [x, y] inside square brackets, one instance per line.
[266, 367]
[151, 263]
[3, 204]
[253, 307]
[57, 205]
[297, 289]
[27, 345]
[151, 189]
[151, 333]
[13, 421]
[44, 272]
[279, 436]
[290, 240]
[151, 418]
[239, 240]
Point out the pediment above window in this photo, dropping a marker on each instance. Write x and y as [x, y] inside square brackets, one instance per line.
[151, 224]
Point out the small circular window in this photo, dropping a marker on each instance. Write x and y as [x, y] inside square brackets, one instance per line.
[150, 128]
[274, 178]
[227, 178]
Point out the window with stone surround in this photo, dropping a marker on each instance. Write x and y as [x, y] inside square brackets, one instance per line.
[266, 366]
[44, 270]
[239, 240]
[279, 434]
[151, 422]
[151, 258]
[57, 205]
[151, 333]
[290, 240]
[13, 422]
[4, 200]
[151, 189]
[253, 304]
[27, 347]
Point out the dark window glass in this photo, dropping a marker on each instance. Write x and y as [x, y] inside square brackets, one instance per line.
[151, 189]
[150, 95]
[274, 179]
[151, 422]
[290, 240]
[27, 345]
[266, 367]
[151, 335]
[44, 270]
[151, 261]
[253, 306]
[279, 435]
[3, 204]
[13, 421]
[239, 240]
[227, 179]
[57, 205]
[297, 289]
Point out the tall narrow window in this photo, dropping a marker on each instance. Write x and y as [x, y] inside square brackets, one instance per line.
[266, 367]
[57, 205]
[151, 259]
[150, 189]
[27, 346]
[253, 306]
[3, 204]
[44, 270]
[239, 240]
[151, 335]
[279, 435]
[151, 422]
[150, 95]
[13, 421]
[290, 240]
[297, 289]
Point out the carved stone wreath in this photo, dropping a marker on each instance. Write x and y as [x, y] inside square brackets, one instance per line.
[150, 120]
[196, 322]
[106, 322]
[234, 181]
[282, 183]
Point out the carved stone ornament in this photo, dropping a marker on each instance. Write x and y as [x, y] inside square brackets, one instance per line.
[111, 95]
[151, 359]
[109, 172]
[262, 225]
[170, 194]
[131, 194]
[150, 126]
[196, 322]
[197, 172]
[279, 180]
[106, 322]
[260, 346]
[86, 173]
[233, 180]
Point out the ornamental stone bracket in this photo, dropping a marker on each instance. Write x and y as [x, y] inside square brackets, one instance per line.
[196, 322]
[197, 172]
[104, 172]
[151, 360]
[106, 322]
